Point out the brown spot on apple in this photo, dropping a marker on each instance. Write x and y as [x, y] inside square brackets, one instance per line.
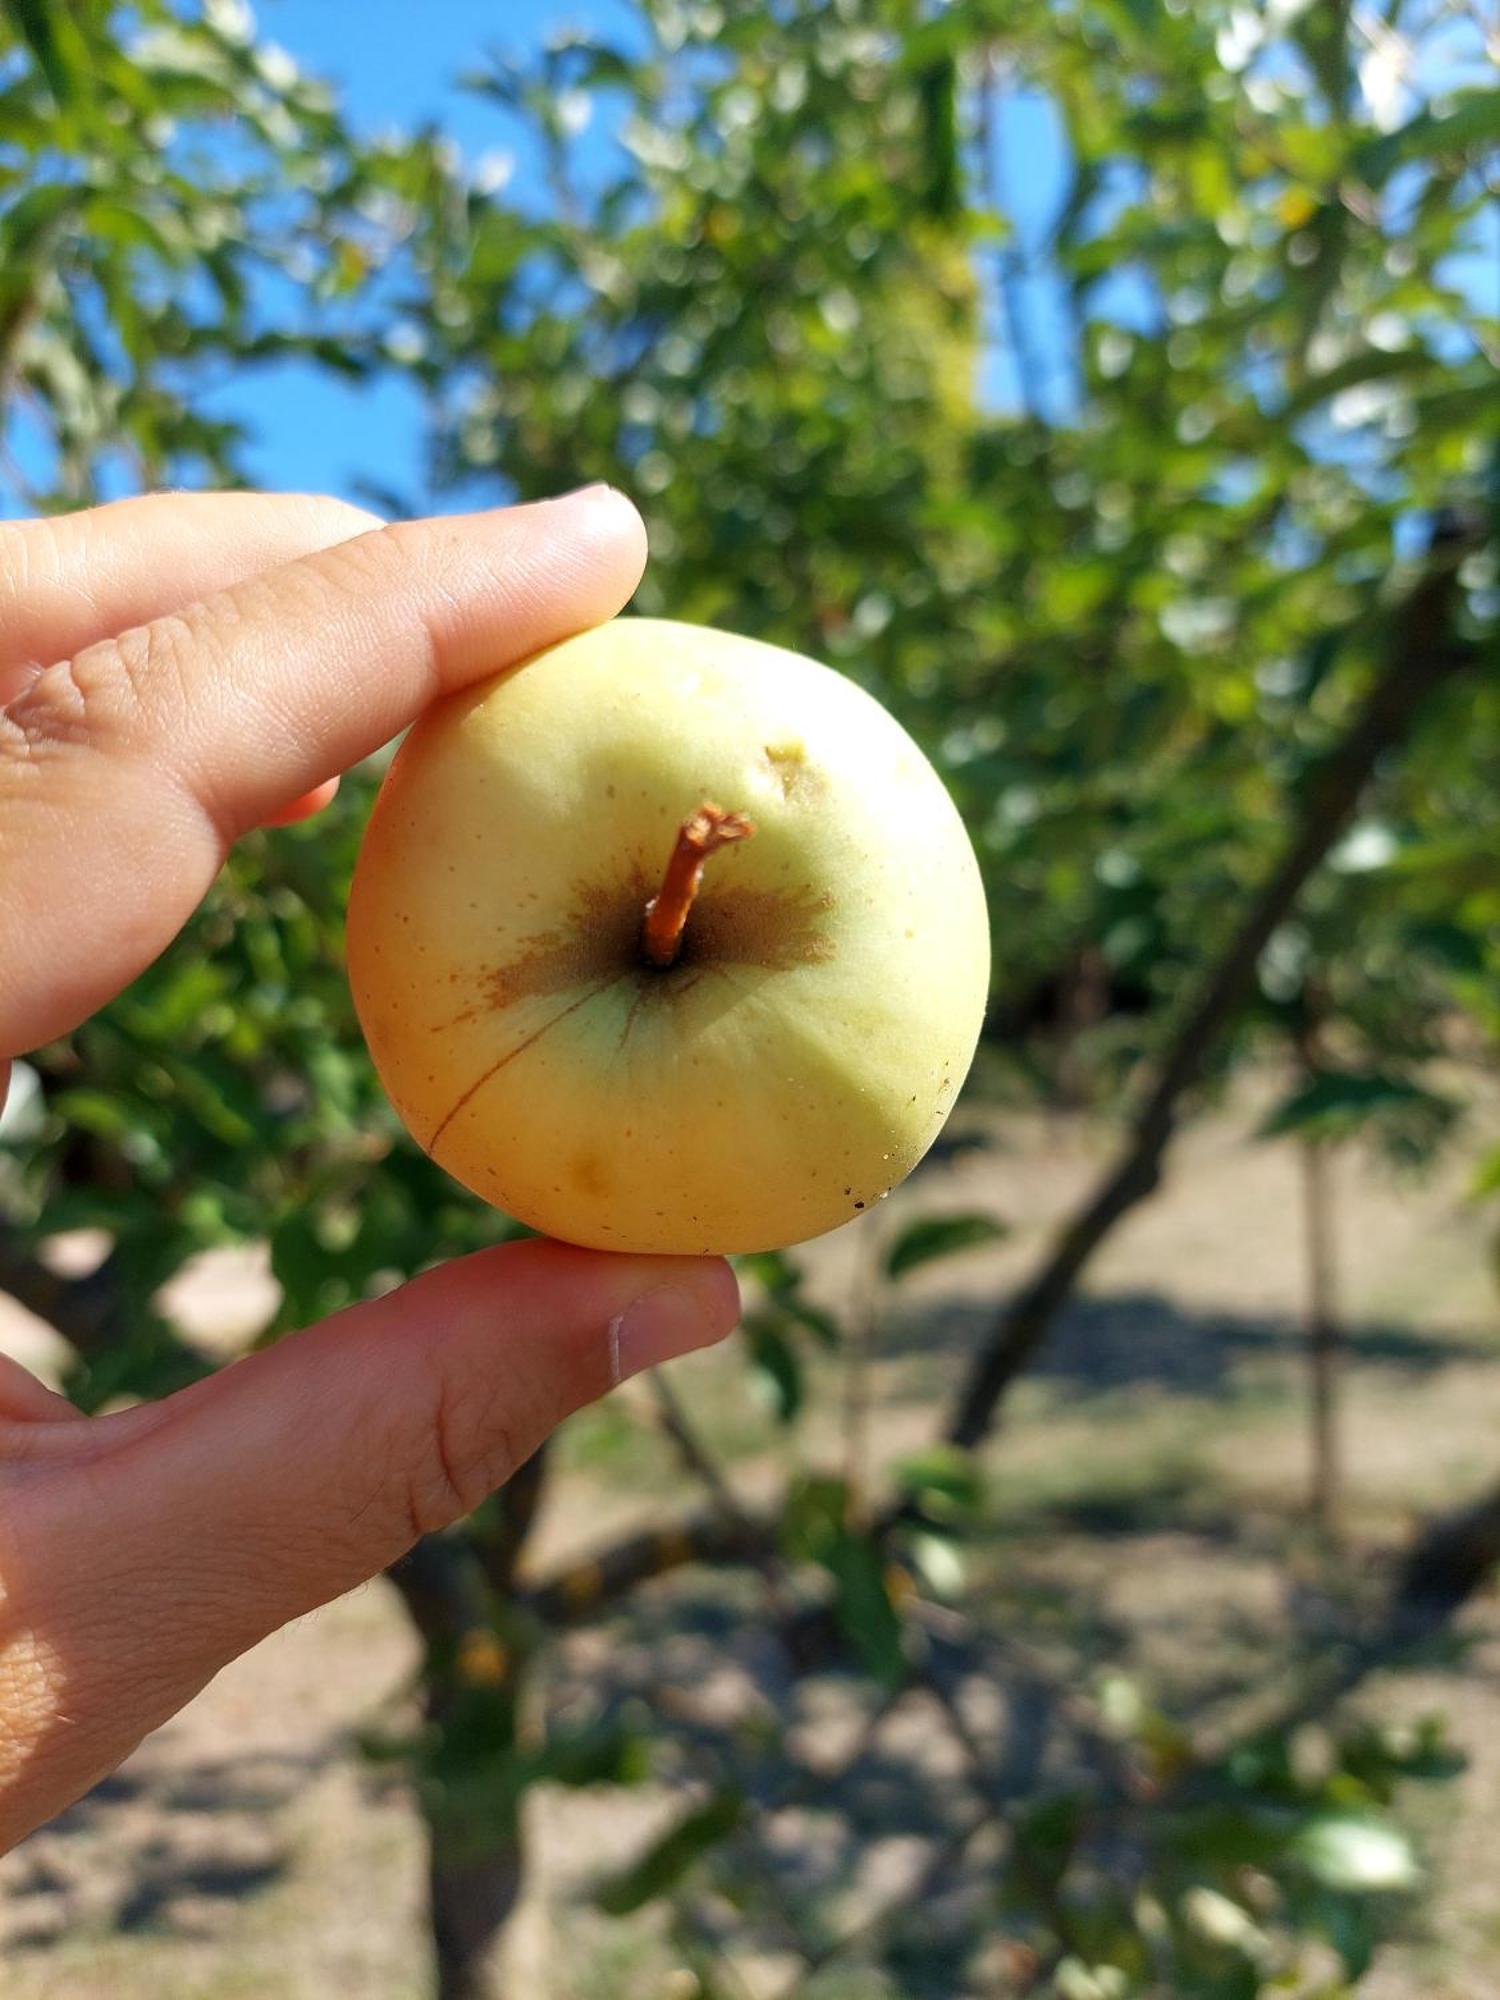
[774, 928]
[599, 940]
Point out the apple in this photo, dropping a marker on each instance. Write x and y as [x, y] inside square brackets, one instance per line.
[669, 940]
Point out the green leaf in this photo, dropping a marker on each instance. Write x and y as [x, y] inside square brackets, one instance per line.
[823, 1327]
[1336, 1104]
[1349, 1925]
[812, 1517]
[939, 1563]
[778, 1371]
[933, 1236]
[945, 1479]
[610, 1754]
[781, 1280]
[863, 1606]
[53, 41]
[1356, 1853]
[93, 1111]
[664, 1864]
[814, 1529]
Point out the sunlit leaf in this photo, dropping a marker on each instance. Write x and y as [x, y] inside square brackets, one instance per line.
[1356, 1854]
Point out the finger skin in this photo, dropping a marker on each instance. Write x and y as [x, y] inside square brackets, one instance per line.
[127, 771]
[23, 1399]
[72, 579]
[141, 1552]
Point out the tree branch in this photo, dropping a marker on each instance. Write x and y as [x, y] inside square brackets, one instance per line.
[586, 1588]
[695, 1455]
[442, 1586]
[1422, 654]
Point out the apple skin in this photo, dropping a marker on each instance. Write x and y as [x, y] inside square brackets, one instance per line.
[803, 1052]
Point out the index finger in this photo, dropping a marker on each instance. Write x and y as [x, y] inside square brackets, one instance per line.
[69, 579]
[126, 771]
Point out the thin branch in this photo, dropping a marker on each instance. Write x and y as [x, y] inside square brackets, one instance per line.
[1324, 1344]
[442, 1586]
[699, 1460]
[585, 1589]
[695, 1455]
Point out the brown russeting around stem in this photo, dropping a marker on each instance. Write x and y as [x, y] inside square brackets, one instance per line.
[707, 830]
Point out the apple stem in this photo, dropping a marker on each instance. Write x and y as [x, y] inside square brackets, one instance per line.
[702, 834]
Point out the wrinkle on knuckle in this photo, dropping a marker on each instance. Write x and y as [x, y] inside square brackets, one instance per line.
[153, 666]
[19, 541]
[376, 563]
[19, 748]
[465, 1451]
[108, 688]
[409, 561]
[34, 556]
[51, 711]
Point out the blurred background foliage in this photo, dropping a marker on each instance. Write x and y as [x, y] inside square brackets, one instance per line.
[1124, 515]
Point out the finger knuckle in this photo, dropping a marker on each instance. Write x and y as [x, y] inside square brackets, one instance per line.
[367, 564]
[106, 689]
[466, 1450]
[418, 562]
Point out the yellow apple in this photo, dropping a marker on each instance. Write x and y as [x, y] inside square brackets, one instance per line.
[769, 1050]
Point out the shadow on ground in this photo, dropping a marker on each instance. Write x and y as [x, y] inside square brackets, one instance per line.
[181, 1847]
[1135, 1339]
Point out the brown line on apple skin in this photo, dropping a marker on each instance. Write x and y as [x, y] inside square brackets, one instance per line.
[630, 1013]
[510, 1055]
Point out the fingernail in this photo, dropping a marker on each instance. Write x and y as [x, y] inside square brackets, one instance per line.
[578, 492]
[655, 1327]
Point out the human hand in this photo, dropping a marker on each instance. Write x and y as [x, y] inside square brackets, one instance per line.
[173, 672]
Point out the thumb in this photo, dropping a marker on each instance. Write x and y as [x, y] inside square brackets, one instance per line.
[157, 1544]
[303, 1469]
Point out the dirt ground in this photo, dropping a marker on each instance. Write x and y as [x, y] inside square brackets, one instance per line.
[1150, 1493]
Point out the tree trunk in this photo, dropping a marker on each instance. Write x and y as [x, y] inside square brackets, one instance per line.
[458, 1588]
[471, 1897]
